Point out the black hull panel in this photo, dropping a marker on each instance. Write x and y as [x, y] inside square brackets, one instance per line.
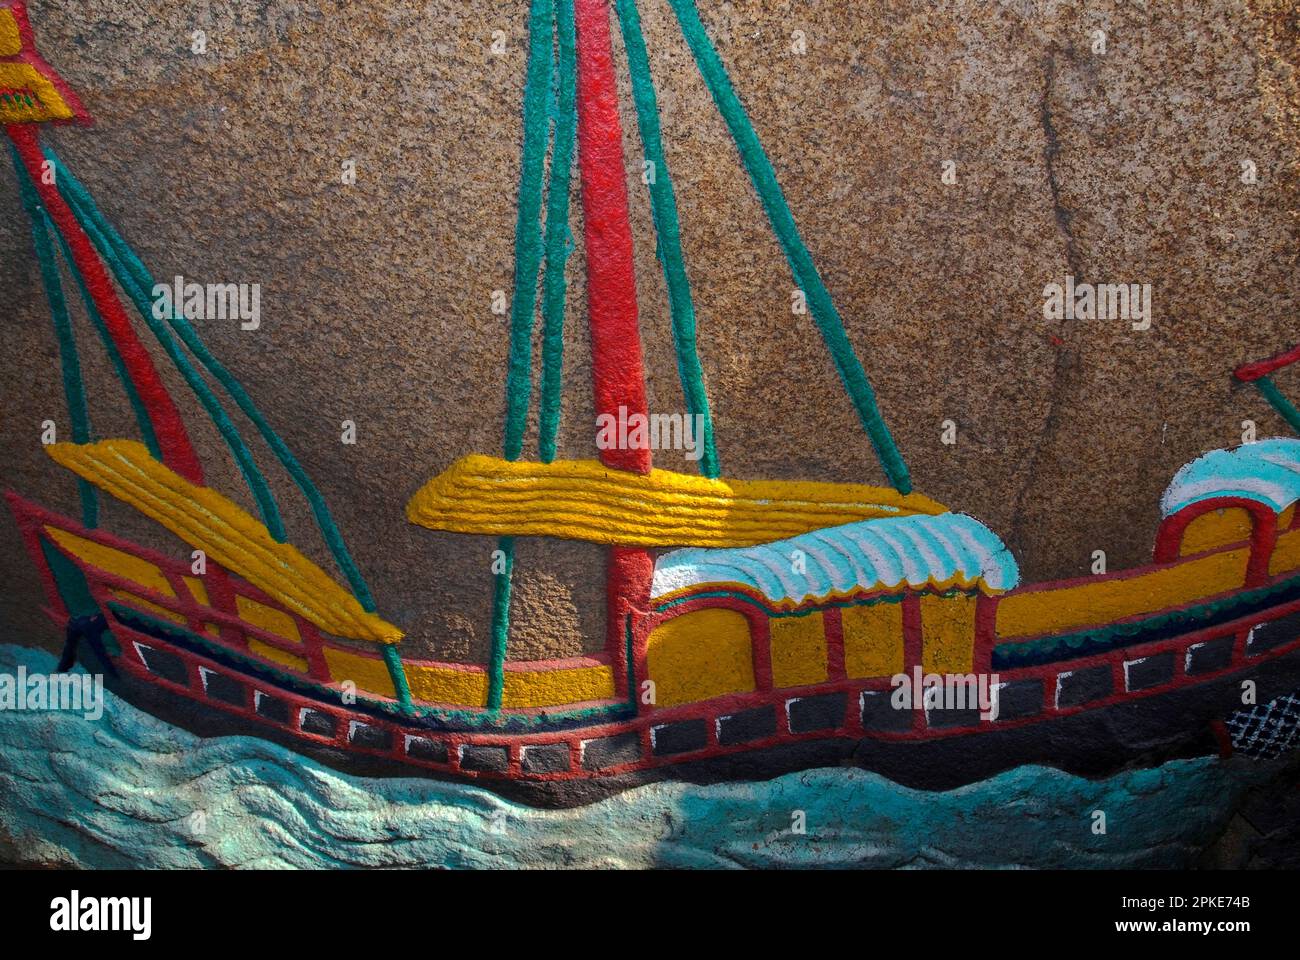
[1143, 732]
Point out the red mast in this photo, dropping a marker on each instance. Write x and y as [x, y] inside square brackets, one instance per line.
[618, 375]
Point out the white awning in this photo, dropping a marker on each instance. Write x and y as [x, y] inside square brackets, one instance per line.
[942, 551]
[1267, 471]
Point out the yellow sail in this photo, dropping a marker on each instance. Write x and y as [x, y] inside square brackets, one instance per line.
[208, 521]
[584, 500]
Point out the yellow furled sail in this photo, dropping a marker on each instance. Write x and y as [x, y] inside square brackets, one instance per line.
[584, 500]
[208, 521]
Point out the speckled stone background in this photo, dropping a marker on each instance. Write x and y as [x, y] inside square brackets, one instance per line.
[1118, 167]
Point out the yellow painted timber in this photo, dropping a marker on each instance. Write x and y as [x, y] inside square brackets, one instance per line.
[700, 655]
[457, 688]
[948, 633]
[1218, 528]
[276, 655]
[447, 685]
[205, 519]
[272, 621]
[1286, 555]
[47, 104]
[197, 590]
[873, 640]
[1105, 601]
[798, 650]
[110, 560]
[556, 688]
[584, 500]
[150, 607]
[367, 673]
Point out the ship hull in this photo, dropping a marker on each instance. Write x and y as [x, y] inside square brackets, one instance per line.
[179, 686]
[1135, 692]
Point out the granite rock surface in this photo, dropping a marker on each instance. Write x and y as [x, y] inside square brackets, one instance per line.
[1120, 158]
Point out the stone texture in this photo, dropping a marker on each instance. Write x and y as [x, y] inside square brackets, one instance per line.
[1115, 167]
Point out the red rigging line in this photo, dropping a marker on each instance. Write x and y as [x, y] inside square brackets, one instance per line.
[1250, 372]
[618, 373]
[49, 99]
[178, 452]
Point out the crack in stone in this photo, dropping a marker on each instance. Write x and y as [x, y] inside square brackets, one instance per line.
[1066, 358]
[1051, 149]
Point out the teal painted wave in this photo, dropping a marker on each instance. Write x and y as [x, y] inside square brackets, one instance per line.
[131, 791]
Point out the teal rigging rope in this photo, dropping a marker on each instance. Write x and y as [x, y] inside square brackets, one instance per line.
[1285, 408]
[109, 237]
[397, 672]
[761, 174]
[144, 305]
[74, 387]
[663, 205]
[28, 190]
[528, 228]
[110, 347]
[500, 623]
[558, 240]
[528, 262]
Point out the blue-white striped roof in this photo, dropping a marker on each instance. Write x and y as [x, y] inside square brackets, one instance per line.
[915, 551]
[1267, 471]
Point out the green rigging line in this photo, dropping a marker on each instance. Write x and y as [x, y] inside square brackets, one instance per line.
[320, 510]
[110, 347]
[663, 205]
[528, 262]
[558, 245]
[74, 388]
[502, 583]
[1285, 408]
[502, 586]
[528, 227]
[144, 305]
[761, 174]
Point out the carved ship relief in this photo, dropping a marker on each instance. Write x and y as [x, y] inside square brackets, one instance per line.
[753, 626]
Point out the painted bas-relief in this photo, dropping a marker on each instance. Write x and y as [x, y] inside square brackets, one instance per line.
[754, 627]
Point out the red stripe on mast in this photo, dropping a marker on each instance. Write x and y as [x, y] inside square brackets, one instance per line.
[618, 374]
[170, 429]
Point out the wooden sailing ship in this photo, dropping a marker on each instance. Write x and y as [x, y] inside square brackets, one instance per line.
[720, 660]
